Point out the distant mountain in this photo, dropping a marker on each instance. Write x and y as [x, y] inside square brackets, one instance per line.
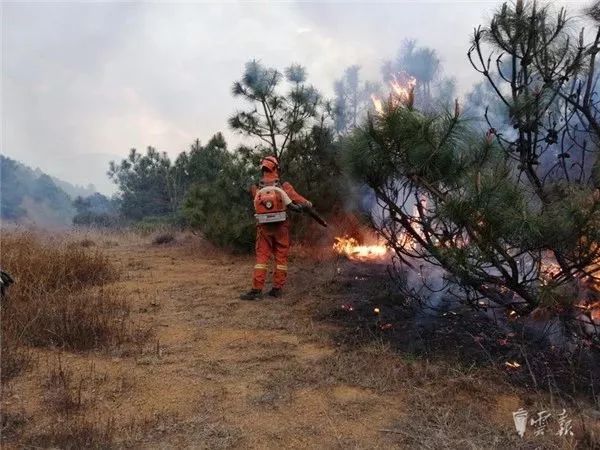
[32, 196]
[74, 190]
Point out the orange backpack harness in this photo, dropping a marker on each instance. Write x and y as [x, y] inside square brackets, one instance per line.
[270, 204]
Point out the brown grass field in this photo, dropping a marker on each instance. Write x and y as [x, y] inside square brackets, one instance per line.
[145, 345]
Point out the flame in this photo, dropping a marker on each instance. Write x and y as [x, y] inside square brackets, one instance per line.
[350, 248]
[549, 271]
[589, 302]
[402, 87]
[593, 285]
[377, 104]
[593, 309]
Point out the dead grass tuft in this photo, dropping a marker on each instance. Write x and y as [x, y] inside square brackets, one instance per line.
[12, 424]
[448, 426]
[369, 366]
[163, 238]
[78, 321]
[61, 392]
[87, 243]
[51, 266]
[14, 359]
[449, 421]
[282, 381]
[74, 433]
[59, 299]
[201, 431]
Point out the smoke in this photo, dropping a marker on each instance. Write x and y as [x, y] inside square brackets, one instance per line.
[85, 79]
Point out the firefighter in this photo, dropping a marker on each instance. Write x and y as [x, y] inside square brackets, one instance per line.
[272, 202]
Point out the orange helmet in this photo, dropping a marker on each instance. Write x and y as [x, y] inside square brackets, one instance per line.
[270, 163]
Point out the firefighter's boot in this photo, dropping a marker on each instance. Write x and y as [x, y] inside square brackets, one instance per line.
[275, 292]
[252, 294]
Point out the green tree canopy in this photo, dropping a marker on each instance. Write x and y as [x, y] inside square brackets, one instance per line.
[147, 184]
[276, 117]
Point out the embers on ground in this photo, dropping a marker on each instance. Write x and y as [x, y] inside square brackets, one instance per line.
[371, 307]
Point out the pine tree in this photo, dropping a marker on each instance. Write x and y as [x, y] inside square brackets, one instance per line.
[513, 217]
[275, 118]
[352, 99]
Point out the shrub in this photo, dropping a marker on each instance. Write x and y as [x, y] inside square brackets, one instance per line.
[221, 210]
[100, 220]
[97, 210]
[154, 224]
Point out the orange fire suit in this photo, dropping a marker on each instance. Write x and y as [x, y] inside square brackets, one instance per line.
[273, 239]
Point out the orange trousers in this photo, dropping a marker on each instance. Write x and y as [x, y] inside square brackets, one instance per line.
[271, 239]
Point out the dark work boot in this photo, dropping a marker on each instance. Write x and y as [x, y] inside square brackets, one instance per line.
[275, 292]
[252, 294]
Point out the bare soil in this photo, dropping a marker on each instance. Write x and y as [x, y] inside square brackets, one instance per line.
[223, 373]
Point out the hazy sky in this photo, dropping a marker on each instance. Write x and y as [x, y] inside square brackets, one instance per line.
[82, 83]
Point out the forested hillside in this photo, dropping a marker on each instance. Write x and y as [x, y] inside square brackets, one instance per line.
[32, 196]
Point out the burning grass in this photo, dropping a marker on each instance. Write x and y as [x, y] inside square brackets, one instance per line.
[60, 299]
[350, 247]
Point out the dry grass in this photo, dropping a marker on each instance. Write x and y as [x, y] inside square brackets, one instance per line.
[52, 266]
[433, 424]
[79, 321]
[14, 358]
[71, 413]
[163, 238]
[203, 430]
[60, 299]
[12, 423]
[229, 374]
[75, 433]
[87, 242]
[63, 394]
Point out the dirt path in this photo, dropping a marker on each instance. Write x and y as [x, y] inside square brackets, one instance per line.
[241, 373]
